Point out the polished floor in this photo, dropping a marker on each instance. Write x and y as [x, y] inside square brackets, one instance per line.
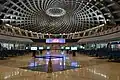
[91, 69]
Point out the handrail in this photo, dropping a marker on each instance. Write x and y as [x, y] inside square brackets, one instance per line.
[93, 32]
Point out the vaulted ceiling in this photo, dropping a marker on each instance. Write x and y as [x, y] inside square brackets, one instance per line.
[59, 16]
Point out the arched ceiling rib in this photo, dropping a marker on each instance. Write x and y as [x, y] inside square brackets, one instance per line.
[80, 14]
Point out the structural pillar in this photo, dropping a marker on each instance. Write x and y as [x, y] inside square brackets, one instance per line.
[50, 68]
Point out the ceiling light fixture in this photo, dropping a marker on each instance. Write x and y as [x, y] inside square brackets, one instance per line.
[55, 12]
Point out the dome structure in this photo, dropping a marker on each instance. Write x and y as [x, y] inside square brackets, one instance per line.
[59, 16]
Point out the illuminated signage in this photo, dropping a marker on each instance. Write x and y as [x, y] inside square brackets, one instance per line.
[55, 40]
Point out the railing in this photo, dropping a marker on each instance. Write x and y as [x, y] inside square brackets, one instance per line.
[106, 32]
[93, 32]
[17, 32]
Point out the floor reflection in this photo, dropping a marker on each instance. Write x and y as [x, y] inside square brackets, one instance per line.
[91, 69]
[60, 62]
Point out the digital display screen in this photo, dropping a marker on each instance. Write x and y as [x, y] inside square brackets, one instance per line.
[48, 47]
[73, 48]
[67, 48]
[62, 47]
[55, 40]
[33, 48]
[41, 48]
[26, 48]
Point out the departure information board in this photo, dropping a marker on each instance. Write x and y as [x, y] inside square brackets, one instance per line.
[55, 40]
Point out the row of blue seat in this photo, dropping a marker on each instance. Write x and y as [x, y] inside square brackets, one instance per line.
[103, 53]
[12, 53]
